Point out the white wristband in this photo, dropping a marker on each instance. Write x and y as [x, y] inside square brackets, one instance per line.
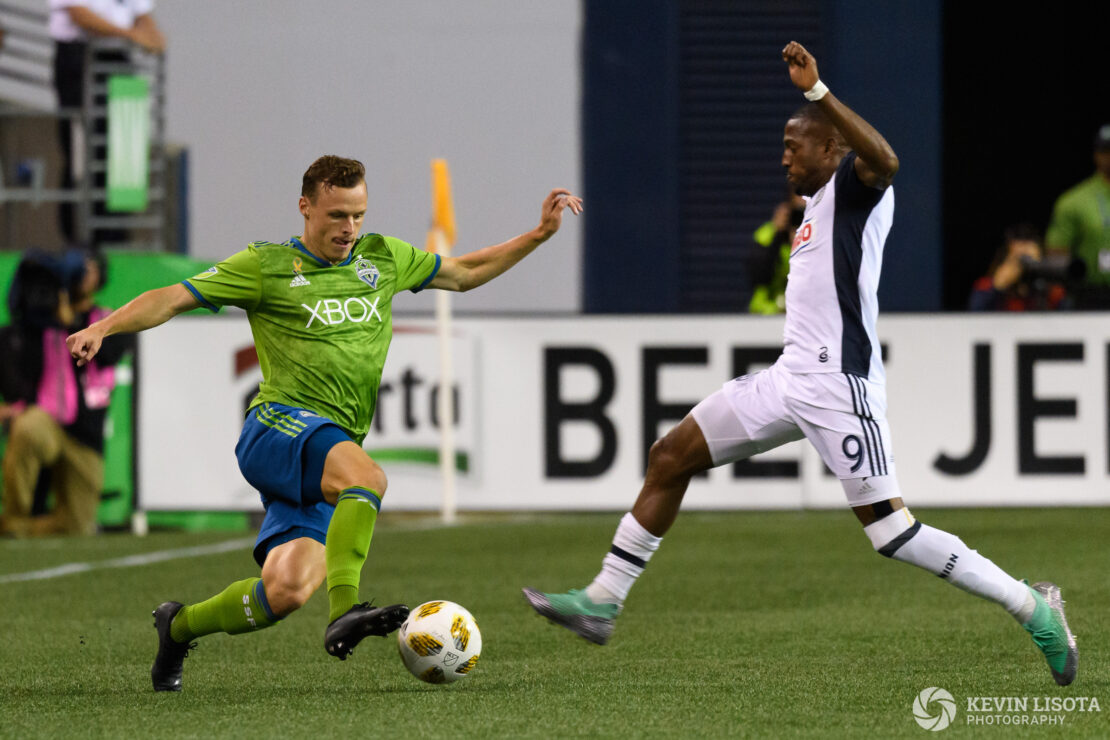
[816, 92]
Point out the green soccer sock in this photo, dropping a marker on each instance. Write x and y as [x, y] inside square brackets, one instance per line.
[241, 607]
[348, 541]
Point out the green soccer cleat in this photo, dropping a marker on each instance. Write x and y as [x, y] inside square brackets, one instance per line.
[1049, 628]
[576, 612]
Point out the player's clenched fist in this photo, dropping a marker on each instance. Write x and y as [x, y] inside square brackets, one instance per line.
[84, 345]
[803, 67]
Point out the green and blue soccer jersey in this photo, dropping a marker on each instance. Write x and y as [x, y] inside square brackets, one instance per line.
[322, 331]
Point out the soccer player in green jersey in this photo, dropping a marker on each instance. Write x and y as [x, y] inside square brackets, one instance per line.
[319, 307]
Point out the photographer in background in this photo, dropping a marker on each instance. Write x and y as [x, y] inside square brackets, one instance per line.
[53, 411]
[1021, 279]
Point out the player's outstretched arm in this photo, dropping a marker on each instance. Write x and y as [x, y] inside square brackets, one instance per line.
[481, 266]
[876, 163]
[148, 310]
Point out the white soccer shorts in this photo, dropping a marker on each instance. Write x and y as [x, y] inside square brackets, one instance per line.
[843, 416]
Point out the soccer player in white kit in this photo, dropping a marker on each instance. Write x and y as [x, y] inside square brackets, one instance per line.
[827, 386]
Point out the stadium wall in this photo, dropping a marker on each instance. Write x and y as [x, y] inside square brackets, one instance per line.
[557, 414]
[257, 89]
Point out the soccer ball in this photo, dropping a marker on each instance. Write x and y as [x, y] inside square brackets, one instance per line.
[439, 642]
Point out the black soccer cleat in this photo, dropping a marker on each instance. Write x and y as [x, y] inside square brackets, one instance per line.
[166, 671]
[362, 620]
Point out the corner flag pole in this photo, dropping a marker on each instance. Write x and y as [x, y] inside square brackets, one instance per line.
[441, 237]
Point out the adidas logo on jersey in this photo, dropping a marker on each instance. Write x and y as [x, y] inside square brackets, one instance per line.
[298, 281]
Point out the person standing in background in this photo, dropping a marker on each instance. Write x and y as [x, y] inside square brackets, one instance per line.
[72, 24]
[1080, 225]
[770, 256]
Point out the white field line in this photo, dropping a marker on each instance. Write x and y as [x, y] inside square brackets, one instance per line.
[432, 521]
[129, 561]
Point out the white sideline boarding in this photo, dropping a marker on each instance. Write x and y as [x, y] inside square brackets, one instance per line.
[552, 411]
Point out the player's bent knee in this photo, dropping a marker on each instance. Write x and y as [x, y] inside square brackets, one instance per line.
[367, 474]
[663, 458]
[292, 573]
[888, 534]
[671, 456]
[287, 595]
[379, 482]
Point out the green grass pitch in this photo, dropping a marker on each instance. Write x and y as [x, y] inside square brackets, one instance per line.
[781, 624]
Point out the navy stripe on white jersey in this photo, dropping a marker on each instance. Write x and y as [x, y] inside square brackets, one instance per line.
[831, 292]
[870, 429]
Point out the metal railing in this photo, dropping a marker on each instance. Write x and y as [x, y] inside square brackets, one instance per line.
[103, 59]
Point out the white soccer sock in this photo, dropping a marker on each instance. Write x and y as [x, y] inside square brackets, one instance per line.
[948, 557]
[632, 548]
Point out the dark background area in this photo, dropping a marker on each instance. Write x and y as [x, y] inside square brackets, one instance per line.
[1023, 96]
[992, 113]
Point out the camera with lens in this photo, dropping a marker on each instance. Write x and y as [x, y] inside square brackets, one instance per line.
[1063, 269]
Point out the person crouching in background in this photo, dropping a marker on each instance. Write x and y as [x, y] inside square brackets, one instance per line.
[53, 411]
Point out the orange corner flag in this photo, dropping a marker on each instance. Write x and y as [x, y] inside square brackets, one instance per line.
[443, 209]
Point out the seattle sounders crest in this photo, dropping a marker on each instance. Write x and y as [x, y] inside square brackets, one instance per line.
[367, 273]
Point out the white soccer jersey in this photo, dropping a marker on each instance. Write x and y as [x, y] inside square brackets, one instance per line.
[831, 300]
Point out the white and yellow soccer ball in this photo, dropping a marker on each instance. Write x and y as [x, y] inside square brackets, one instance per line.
[439, 642]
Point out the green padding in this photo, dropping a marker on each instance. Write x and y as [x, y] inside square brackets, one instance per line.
[418, 455]
[129, 274]
[197, 521]
[118, 494]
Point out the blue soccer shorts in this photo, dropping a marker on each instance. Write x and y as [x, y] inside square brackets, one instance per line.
[281, 453]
